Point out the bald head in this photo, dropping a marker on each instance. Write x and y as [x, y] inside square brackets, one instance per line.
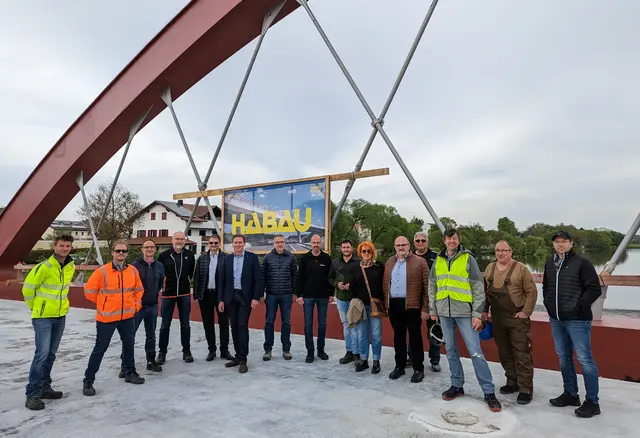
[401, 245]
[178, 241]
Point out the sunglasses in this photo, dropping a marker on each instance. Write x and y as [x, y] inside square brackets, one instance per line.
[121, 251]
[420, 240]
[366, 251]
[214, 243]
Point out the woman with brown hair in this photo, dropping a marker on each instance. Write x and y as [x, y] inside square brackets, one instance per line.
[366, 284]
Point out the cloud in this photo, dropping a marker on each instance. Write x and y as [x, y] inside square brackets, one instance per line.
[527, 112]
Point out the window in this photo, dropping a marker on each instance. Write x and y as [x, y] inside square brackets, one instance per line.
[141, 233]
[152, 233]
[164, 233]
[153, 216]
[203, 233]
[164, 215]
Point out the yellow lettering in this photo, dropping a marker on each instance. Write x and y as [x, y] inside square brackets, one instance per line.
[270, 222]
[237, 226]
[254, 227]
[286, 223]
[307, 220]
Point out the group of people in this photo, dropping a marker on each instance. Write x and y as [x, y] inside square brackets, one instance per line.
[447, 289]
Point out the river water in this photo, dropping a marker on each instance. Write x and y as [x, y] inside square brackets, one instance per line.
[618, 297]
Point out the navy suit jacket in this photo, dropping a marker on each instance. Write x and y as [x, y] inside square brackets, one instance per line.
[252, 283]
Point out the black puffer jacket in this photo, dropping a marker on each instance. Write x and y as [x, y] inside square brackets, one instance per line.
[570, 290]
[279, 272]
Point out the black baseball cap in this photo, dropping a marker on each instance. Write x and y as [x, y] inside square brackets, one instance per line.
[562, 234]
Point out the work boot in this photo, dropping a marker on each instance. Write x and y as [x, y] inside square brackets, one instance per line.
[435, 367]
[588, 409]
[187, 357]
[226, 355]
[524, 399]
[452, 393]
[233, 363]
[565, 400]
[162, 357]
[309, 358]
[322, 355]
[396, 373]
[375, 369]
[508, 389]
[153, 366]
[50, 394]
[87, 388]
[287, 355]
[121, 374]
[211, 356]
[267, 355]
[348, 358]
[492, 402]
[243, 367]
[134, 378]
[418, 376]
[362, 365]
[34, 403]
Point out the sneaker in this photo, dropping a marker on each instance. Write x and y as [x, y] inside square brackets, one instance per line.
[524, 399]
[121, 374]
[452, 393]
[266, 355]
[362, 365]
[348, 358]
[588, 409]
[243, 367]
[492, 402]
[508, 389]
[375, 369]
[34, 403]
[396, 373]
[418, 376]
[87, 388]
[435, 367]
[322, 355]
[309, 358]
[50, 394]
[287, 355]
[153, 366]
[134, 378]
[162, 357]
[211, 356]
[565, 400]
[187, 357]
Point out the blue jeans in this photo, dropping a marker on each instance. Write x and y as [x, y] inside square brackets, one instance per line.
[150, 317]
[568, 335]
[104, 333]
[184, 309]
[323, 306]
[272, 303]
[472, 342]
[371, 326]
[349, 333]
[48, 333]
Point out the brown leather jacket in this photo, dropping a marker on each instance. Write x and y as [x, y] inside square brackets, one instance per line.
[417, 282]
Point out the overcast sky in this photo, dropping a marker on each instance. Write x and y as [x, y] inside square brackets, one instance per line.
[510, 108]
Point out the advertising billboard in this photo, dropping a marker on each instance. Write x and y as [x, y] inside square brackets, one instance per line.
[297, 209]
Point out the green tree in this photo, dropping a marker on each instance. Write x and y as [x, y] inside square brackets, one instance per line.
[508, 226]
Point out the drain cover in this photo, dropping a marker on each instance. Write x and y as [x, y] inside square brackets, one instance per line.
[460, 418]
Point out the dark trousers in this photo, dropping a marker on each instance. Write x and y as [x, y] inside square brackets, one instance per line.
[403, 321]
[323, 305]
[149, 315]
[434, 350]
[104, 332]
[208, 309]
[48, 333]
[239, 313]
[184, 310]
[273, 302]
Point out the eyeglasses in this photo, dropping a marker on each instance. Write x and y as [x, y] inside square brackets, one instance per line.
[366, 251]
[401, 245]
[421, 240]
[503, 250]
[121, 251]
[279, 242]
[214, 243]
[148, 247]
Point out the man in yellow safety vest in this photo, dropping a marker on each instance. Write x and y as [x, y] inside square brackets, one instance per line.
[456, 299]
[45, 291]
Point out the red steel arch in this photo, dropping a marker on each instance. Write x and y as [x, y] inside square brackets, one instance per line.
[202, 36]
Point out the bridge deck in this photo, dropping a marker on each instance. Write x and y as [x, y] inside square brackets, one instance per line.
[275, 398]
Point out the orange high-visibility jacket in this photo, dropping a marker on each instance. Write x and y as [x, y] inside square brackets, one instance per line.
[117, 294]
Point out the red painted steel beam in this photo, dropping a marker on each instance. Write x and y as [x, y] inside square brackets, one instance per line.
[200, 38]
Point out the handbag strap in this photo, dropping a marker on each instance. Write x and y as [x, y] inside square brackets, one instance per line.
[366, 281]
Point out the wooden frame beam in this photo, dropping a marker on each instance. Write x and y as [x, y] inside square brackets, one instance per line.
[336, 177]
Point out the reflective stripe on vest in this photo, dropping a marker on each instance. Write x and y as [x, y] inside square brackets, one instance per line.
[453, 282]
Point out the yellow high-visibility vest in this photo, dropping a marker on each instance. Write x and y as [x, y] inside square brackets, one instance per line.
[453, 283]
[46, 288]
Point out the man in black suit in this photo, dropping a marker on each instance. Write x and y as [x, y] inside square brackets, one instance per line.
[243, 287]
[208, 290]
